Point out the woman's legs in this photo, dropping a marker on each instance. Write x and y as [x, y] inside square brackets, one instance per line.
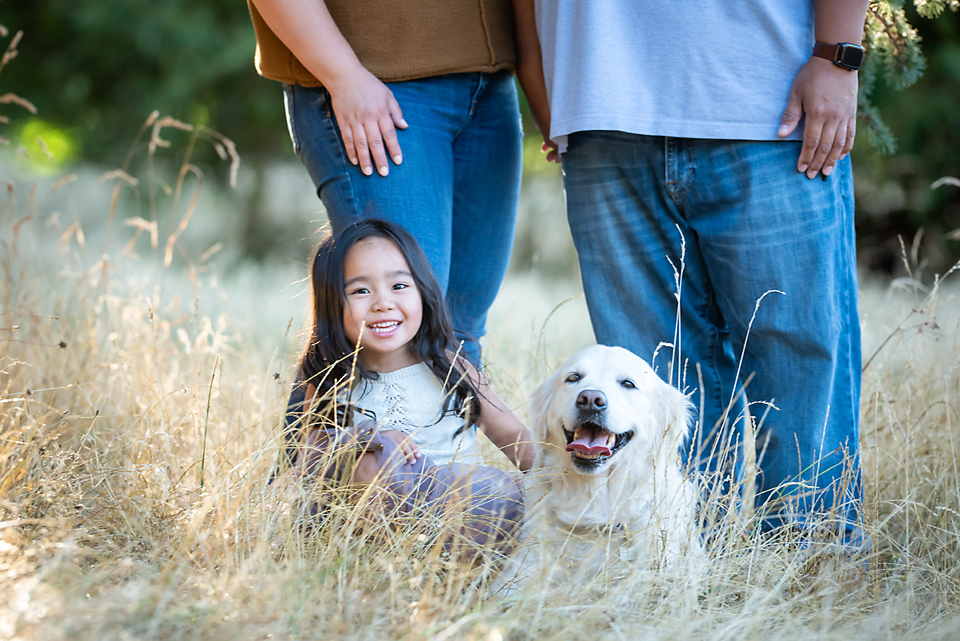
[457, 188]
[488, 162]
[456, 191]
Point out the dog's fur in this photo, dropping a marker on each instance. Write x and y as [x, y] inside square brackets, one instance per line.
[608, 476]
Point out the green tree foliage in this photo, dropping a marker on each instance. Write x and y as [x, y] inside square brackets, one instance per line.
[893, 47]
[917, 94]
[95, 70]
[99, 68]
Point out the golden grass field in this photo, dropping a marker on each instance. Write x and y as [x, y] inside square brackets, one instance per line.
[137, 433]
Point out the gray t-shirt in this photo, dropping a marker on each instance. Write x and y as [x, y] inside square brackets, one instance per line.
[717, 69]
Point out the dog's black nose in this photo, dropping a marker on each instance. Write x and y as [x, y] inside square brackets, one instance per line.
[592, 400]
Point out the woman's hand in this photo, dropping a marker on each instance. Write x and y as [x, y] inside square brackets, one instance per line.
[410, 450]
[552, 151]
[366, 110]
[368, 116]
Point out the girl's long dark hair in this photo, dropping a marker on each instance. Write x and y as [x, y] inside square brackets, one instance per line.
[328, 360]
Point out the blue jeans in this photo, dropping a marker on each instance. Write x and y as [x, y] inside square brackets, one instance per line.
[764, 262]
[456, 191]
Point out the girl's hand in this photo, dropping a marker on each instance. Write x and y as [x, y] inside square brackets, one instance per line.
[410, 450]
[368, 116]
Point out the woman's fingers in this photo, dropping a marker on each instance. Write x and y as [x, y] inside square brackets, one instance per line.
[411, 450]
[375, 144]
[349, 144]
[369, 116]
[390, 130]
[550, 148]
[361, 148]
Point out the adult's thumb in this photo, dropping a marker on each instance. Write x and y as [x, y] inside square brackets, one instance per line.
[791, 117]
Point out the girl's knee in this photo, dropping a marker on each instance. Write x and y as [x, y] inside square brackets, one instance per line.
[494, 482]
[366, 469]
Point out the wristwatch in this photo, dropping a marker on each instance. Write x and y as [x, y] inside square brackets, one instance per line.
[843, 54]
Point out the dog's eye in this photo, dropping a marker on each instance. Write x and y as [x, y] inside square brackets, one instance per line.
[627, 383]
[573, 377]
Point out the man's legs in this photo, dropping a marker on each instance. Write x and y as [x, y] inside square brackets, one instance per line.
[750, 225]
[768, 232]
[637, 252]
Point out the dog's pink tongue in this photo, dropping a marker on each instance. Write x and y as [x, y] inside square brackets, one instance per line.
[591, 444]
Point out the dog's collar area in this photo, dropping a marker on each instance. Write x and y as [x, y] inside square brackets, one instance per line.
[591, 445]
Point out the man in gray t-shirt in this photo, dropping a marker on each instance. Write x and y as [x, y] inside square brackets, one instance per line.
[705, 153]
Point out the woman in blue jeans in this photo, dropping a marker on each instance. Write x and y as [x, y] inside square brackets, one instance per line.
[407, 112]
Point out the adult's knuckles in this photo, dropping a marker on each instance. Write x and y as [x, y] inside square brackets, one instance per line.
[790, 115]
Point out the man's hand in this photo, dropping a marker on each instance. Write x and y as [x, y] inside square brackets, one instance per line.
[827, 96]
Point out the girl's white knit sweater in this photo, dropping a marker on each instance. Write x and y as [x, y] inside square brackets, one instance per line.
[411, 400]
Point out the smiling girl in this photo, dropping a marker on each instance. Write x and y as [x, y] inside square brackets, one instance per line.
[386, 382]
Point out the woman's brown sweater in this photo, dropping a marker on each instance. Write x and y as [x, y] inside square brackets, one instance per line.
[404, 39]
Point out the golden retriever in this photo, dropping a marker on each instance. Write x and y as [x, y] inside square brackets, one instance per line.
[608, 480]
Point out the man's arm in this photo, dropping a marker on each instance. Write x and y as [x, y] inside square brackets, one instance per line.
[825, 93]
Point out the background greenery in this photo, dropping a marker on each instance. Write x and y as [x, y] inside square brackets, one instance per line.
[95, 70]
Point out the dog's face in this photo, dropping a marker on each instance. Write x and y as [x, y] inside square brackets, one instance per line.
[605, 407]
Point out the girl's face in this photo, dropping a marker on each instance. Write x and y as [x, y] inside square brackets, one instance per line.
[382, 297]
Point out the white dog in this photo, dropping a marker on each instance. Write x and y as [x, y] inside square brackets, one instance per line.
[608, 479]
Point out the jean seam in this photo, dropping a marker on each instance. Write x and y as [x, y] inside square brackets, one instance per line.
[476, 93]
[717, 391]
[290, 113]
[347, 167]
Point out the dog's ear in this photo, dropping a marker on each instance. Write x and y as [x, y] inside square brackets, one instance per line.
[677, 412]
[542, 401]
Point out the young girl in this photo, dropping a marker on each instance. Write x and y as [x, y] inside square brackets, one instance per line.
[385, 382]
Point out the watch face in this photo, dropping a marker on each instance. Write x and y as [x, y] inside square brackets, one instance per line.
[850, 56]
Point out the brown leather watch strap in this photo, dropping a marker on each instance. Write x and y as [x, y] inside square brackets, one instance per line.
[826, 51]
[843, 54]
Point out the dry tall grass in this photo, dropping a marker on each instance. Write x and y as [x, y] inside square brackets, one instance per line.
[136, 438]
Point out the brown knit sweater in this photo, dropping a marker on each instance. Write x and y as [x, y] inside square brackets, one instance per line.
[402, 40]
